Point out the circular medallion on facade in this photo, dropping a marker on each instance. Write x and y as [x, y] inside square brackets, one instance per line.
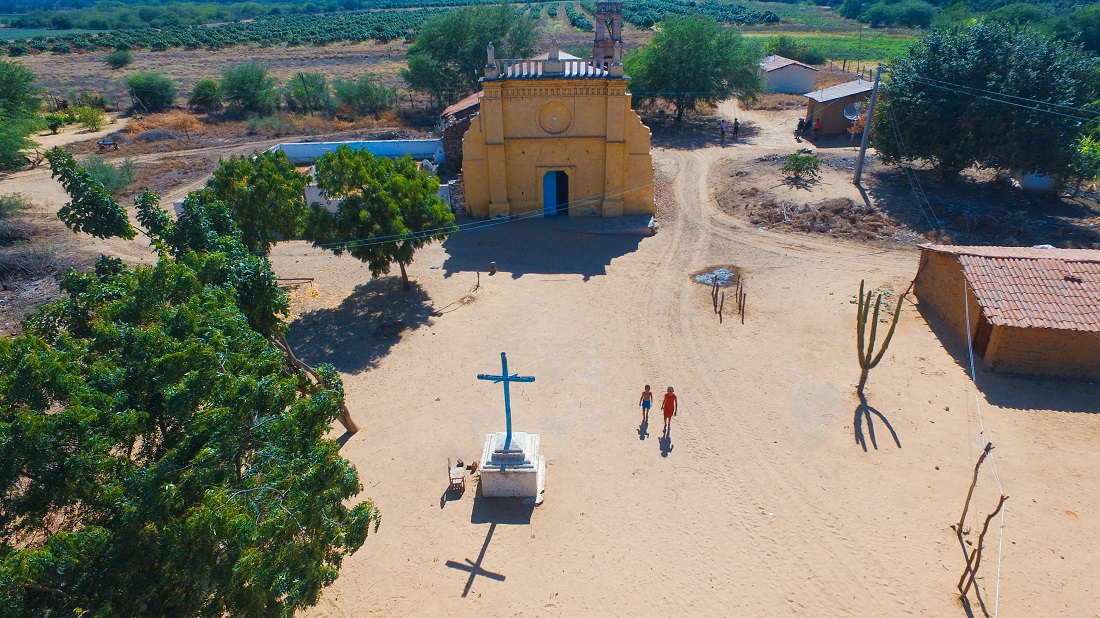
[554, 118]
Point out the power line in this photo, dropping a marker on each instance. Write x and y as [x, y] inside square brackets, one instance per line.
[1013, 96]
[995, 100]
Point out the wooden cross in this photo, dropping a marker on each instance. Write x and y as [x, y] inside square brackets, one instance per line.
[505, 378]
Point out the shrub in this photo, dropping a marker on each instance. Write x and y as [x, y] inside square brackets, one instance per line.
[91, 118]
[87, 99]
[308, 92]
[206, 96]
[248, 89]
[114, 178]
[153, 91]
[55, 122]
[272, 126]
[18, 49]
[800, 164]
[364, 96]
[13, 202]
[119, 58]
[789, 47]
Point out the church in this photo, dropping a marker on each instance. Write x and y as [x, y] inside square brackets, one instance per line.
[556, 135]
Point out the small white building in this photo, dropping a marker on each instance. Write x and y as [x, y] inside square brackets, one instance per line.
[787, 76]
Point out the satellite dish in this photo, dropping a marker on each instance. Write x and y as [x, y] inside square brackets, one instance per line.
[854, 110]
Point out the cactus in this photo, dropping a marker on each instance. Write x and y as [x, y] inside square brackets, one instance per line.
[866, 352]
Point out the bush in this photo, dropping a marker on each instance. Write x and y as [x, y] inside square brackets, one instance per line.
[153, 91]
[364, 96]
[119, 58]
[800, 164]
[271, 126]
[87, 99]
[18, 49]
[55, 122]
[13, 202]
[206, 96]
[308, 92]
[91, 118]
[908, 13]
[248, 89]
[114, 178]
[789, 47]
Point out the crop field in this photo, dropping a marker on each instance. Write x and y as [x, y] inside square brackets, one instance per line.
[875, 47]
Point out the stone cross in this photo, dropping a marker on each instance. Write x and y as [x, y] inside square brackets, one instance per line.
[505, 378]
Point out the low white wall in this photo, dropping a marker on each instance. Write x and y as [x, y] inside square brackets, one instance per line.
[304, 153]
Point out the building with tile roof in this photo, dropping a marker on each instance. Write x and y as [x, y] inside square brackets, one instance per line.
[787, 76]
[1024, 310]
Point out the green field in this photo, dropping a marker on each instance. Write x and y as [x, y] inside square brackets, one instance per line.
[876, 47]
[6, 34]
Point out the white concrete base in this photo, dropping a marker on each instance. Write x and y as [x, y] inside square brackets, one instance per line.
[519, 472]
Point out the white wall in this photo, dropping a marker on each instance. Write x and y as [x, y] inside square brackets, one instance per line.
[791, 79]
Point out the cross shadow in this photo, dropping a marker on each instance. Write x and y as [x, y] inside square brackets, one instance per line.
[643, 429]
[551, 245]
[864, 410]
[512, 511]
[362, 329]
[665, 442]
[474, 567]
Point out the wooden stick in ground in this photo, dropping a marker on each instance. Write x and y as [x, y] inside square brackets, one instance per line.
[973, 483]
[721, 306]
[743, 297]
[981, 542]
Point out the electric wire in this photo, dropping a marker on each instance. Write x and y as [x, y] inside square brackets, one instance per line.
[1012, 96]
[995, 100]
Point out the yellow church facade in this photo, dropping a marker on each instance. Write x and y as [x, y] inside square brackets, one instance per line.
[556, 136]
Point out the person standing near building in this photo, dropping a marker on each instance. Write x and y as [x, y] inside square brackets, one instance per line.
[670, 408]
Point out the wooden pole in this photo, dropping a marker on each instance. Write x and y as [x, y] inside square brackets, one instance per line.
[974, 483]
[721, 306]
[981, 542]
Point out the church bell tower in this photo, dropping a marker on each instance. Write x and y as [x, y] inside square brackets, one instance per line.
[609, 32]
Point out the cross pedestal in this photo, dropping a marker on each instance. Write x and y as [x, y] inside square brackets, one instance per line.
[512, 465]
[519, 472]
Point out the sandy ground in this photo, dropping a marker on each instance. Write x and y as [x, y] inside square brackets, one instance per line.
[774, 494]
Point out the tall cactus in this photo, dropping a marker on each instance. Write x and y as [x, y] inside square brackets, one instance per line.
[867, 351]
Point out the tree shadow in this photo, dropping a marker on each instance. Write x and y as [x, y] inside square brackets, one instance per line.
[865, 411]
[974, 211]
[806, 183]
[555, 245]
[474, 566]
[692, 132]
[362, 329]
[1014, 391]
[511, 511]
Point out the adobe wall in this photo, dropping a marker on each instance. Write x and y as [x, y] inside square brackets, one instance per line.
[831, 114]
[1044, 351]
[939, 287]
[584, 127]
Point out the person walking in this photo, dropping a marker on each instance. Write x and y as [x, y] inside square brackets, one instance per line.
[722, 129]
[646, 401]
[670, 408]
[736, 127]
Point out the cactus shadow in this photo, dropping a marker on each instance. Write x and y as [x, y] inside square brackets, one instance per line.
[864, 411]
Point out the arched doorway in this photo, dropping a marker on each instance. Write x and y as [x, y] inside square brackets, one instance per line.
[555, 194]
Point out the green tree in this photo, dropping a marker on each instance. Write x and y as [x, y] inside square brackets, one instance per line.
[988, 94]
[248, 89]
[119, 58]
[161, 455]
[1018, 13]
[17, 91]
[13, 140]
[449, 54]
[1086, 159]
[265, 194]
[388, 209]
[207, 95]
[309, 92]
[364, 96]
[790, 47]
[156, 92]
[694, 61]
[91, 210]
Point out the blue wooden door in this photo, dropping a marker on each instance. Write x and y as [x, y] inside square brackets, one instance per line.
[550, 194]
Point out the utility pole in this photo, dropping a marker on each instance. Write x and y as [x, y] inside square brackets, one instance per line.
[867, 128]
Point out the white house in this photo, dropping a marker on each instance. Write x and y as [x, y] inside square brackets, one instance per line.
[787, 76]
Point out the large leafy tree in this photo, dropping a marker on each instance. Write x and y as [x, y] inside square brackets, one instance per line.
[694, 61]
[388, 209]
[249, 90]
[449, 54]
[988, 94]
[162, 454]
[264, 193]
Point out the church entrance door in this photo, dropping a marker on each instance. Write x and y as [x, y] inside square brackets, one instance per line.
[555, 194]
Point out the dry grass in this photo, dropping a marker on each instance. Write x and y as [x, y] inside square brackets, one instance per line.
[831, 76]
[775, 102]
[175, 120]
